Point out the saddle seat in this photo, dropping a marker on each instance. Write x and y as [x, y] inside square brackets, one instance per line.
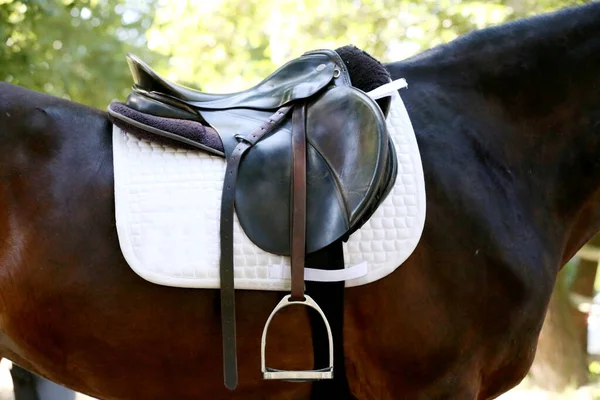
[297, 79]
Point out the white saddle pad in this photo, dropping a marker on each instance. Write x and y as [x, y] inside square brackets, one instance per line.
[168, 205]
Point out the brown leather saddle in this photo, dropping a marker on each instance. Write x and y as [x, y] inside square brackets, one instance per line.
[309, 160]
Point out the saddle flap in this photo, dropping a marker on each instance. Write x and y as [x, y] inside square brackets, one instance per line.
[346, 165]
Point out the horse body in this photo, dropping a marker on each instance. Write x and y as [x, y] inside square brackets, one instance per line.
[508, 124]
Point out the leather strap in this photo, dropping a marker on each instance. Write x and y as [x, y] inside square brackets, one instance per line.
[226, 232]
[330, 296]
[298, 199]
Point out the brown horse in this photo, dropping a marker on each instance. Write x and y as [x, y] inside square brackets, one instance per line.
[508, 123]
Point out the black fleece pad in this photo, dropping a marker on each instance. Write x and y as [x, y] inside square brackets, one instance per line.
[191, 130]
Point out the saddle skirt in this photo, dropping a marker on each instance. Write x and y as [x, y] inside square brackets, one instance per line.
[168, 205]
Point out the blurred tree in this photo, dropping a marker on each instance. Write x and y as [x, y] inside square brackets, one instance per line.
[583, 286]
[76, 48]
[73, 48]
[229, 44]
[561, 359]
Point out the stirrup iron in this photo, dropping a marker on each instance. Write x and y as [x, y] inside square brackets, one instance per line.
[296, 376]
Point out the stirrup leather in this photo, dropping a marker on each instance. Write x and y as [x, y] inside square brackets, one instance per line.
[296, 376]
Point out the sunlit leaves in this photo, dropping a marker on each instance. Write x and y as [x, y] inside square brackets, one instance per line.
[73, 49]
[229, 44]
[77, 48]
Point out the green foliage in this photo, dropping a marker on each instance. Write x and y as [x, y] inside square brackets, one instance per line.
[73, 49]
[76, 48]
[228, 44]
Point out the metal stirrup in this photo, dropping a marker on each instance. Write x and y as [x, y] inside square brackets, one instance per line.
[296, 376]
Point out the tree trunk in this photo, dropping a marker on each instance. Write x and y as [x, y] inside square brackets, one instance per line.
[583, 285]
[561, 359]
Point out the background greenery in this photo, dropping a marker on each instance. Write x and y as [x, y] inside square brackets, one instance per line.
[76, 48]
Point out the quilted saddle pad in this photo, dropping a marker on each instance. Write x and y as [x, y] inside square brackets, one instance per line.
[168, 205]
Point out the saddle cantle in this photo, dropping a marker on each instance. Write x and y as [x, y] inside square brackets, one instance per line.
[308, 157]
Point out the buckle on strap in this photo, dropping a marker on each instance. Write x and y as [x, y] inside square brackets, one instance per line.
[296, 376]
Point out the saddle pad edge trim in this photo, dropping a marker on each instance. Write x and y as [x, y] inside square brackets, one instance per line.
[278, 271]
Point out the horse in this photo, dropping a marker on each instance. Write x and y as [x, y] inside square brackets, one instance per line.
[508, 124]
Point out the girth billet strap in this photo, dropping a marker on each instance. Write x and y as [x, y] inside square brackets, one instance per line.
[226, 232]
[330, 296]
